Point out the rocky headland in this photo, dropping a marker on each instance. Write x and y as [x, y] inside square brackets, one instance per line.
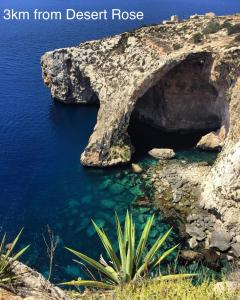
[180, 76]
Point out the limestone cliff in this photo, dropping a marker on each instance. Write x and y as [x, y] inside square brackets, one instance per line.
[177, 76]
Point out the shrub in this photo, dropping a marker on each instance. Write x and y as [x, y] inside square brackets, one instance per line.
[231, 29]
[226, 24]
[212, 27]
[163, 290]
[234, 29]
[133, 262]
[237, 38]
[8, 258]
[197, 38]
[177, 46]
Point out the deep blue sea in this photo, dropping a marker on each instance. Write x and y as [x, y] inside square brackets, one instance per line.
[41, 179]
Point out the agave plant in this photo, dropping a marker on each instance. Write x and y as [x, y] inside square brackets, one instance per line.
[133, 262]
[8, 257]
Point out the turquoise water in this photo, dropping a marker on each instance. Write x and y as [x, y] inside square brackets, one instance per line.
[41, 179]
[195, 155]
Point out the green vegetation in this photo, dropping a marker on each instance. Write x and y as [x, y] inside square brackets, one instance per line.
[212, 27]
[237, 38]
[176, 46]
[7, 258]
[135, 261]
[197, 38]
[226, 24]
[233, 29]
[164, 290]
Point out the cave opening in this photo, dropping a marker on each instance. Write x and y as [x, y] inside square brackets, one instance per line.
[177, 110]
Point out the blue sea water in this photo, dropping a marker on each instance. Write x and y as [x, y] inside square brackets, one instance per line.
[41, 179]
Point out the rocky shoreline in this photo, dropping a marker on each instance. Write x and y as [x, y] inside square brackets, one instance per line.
[182, 75]
[176, 188]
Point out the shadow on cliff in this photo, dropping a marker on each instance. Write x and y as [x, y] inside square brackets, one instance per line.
[179, 109]
[145, 137]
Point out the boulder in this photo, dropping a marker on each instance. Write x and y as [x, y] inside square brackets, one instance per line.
[7, 295]
[33, 285]
[209, 142]
[165, 22]
[195, 231]
[221, 287]
[210, 15]
[136, 168]
[220, 239]
[234, 276]
[175, 19]
[236, 249]
[193, 243]
[190, 255]
[195, 16]
[162, 153]
[212, 141]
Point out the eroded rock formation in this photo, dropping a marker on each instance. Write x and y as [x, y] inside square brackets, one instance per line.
[30, 285]
[168, 78]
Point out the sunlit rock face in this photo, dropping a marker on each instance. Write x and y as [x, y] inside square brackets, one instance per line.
[221, 190]
[160, 76]
[140, 74]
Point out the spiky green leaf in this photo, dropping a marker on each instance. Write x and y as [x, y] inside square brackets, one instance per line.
[20, 253]
[176, 276]
[121, 243]
[151, 253]
[130, 246]
[111, 274]
[88, 283]
[143, 240]
[108, 247]
[2, 243]
[164, 255]
[13, 244]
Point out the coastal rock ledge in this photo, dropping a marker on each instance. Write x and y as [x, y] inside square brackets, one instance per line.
[176, 76]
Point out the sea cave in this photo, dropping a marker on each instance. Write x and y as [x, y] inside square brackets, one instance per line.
[179, 109]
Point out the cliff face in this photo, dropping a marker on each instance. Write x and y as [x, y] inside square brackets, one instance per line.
[171, 78]
[140, 71]
[221, 190]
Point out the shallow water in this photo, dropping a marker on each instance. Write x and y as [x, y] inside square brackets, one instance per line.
[41, 179]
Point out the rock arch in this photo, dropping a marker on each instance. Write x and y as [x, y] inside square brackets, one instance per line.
[184, 100]
[178, 95]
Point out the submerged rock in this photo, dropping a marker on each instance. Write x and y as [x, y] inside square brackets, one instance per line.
[162, 153]
[117, 188]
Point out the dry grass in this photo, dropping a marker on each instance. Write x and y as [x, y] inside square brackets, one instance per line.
[155, 290]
